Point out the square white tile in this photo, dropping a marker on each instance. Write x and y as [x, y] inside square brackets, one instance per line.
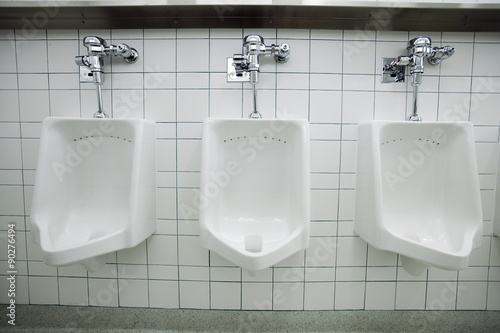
[34, 104]
[324, 204]
[159, 55]
[256, 296]
[194, 295]
[288, 296]
[441, 295]
[133, 293]
[189, 61]
[319, 296]
[26, 62]
[61, 55]
[351, 251]
[410, 296]
[73, 291]
[163, 294]
[321, 252]
[349, 295]
[471, 295]
[380, 295]
[193, 105]
[162, 250]
[325, 106]
[43, 290]
[322, 51]
[160, 105]
[225, 295]
[325, 156]
[103, 292]
[191, 252]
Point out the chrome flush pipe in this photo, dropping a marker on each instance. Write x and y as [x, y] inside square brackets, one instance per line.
[248, 63]
[417, 50]
[97, 50]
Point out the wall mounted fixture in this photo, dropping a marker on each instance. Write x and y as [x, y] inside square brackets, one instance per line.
[426, 208]
[393, 69]
[92, 65]
[95, 189]
[245, 67]
[261, 214]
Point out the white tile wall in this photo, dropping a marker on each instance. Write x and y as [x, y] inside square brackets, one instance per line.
[331, 80]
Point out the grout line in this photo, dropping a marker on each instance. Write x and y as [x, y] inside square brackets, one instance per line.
[339, 178]
[176, 170]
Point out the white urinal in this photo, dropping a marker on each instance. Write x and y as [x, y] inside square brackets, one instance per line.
[254, 207]
[94, 189]
[496, 216]
[417, 192]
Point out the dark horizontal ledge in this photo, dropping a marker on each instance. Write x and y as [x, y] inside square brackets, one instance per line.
[376, 18]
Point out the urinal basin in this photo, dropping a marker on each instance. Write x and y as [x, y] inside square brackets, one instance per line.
[254, 206]
[95, 187]
[417, 191]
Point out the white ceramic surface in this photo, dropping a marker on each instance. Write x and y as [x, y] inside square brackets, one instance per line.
[417, 191]
[95, 187]
[496, 217]
[254, 206]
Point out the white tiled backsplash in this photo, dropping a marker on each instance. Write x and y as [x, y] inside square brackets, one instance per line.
[331, 79]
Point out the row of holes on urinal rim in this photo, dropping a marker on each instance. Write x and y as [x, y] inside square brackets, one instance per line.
[403, 140]
[263, 139]
[97, 137]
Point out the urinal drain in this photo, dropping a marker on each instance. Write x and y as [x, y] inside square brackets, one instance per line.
[90, 137]
[423, 140]
[263, 139]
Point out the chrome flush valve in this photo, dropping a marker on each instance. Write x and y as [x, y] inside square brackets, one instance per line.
[91, 65]
[418, 49]
[245, 67]
[97, 49]
[253, 48]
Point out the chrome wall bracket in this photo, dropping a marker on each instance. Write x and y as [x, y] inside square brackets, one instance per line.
[86, 75]
[392, 74]
[235, 76]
